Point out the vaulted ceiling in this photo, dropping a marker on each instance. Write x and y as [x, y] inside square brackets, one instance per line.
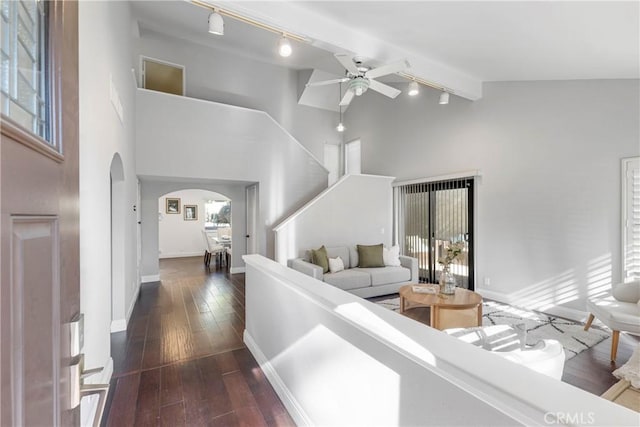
[457, 45]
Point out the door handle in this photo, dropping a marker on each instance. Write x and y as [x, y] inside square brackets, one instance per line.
[78, 389]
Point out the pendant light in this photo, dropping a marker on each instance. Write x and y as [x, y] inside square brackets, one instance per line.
[216, 23]
[340, 128]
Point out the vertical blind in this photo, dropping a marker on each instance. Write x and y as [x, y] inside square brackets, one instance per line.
[430, 215]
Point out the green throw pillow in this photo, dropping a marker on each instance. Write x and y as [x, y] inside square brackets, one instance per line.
[319, 257]
[370, 256]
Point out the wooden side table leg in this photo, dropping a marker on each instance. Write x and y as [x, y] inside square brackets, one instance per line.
[434, 319]
[402, 303]
[479, 314]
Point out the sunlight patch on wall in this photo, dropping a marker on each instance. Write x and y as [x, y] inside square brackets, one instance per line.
[548, 293]
[599, 280]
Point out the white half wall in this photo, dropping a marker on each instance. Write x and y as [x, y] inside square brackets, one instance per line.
[355, 210]
[182, 138]
[547, 228]
[336, 359]
[176, 236]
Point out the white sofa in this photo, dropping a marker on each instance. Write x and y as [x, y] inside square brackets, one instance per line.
[364, 282]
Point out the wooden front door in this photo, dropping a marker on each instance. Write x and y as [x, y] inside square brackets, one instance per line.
[39, 245]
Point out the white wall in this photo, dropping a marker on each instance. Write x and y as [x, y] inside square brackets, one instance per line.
[182, 138]
[104, 56]
[180, 238]
[232, 78]
[548, 201]
[356, 210]
[336, 359]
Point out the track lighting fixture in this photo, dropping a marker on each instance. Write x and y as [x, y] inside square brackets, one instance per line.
[413, 88]
[216, 23]
[284, 47]
[444, 98]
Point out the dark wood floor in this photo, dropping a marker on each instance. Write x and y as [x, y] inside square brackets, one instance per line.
[182, 360]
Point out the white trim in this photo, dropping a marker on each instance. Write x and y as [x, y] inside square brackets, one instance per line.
[455, 175]
[181, 255]
[89, 404]
[150, 278]
[300, 418]
[323, 194]
[567, 313]
[236, 270]
[118, 325]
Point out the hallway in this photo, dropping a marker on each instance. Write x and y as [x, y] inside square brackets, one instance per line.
[182, 360]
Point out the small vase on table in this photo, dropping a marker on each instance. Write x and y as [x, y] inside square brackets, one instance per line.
[447, 281]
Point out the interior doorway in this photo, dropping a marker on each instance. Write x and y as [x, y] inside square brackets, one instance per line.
[117, 220]
[352, 158]
[252, 218]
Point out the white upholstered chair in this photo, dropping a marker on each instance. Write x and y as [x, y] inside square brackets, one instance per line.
[212, 248]
[619, 310]
[546, 357]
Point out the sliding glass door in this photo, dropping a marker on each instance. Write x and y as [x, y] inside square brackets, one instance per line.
[430, 215]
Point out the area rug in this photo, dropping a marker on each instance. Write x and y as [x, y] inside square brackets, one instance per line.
[538, 326]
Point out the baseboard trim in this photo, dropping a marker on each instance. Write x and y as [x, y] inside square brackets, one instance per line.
[288, 399]
[568, 313]
[118, 325]
[89, 404]
[181, 255]
[150, 278]
[236, 270]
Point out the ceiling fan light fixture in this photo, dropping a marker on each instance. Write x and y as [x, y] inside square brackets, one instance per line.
[216, 24]
[284, 47]
[413, 88]
[444, 98]
[359, 86]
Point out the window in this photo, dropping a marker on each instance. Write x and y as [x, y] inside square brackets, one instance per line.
[24, 85]
[631, 218]
[429, 215]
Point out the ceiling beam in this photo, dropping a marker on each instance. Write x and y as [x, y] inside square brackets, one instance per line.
[337, 37]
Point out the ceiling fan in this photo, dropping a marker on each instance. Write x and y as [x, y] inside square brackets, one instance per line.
[361, 78]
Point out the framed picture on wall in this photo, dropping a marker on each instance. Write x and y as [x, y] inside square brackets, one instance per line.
[190, 212]
[173, 205]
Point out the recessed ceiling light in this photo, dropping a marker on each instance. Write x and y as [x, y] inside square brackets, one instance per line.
[284, 47]
[216, 24]
[444, 98]
[413, 88]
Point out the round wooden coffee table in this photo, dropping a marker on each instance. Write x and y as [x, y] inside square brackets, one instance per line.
[460, 310]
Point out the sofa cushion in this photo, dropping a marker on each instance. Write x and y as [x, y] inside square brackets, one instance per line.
[386, 275]
[339, 251]
[319, 257]
[335, 264]
[370, 256]
[348, 279]
[391, 256]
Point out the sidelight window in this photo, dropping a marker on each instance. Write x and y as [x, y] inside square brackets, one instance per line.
[24, 83]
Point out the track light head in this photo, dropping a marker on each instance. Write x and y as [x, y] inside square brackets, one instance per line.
[444, 98]
[413, 88]
[216, 24]
[284, 47]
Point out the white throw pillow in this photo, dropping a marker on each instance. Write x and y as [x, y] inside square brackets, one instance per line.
[336, 264]
[391, 256]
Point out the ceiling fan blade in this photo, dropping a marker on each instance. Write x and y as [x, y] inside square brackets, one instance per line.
[347, 63]
[328, 82]
[390, 68]
[346, 99]
[384, 89]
